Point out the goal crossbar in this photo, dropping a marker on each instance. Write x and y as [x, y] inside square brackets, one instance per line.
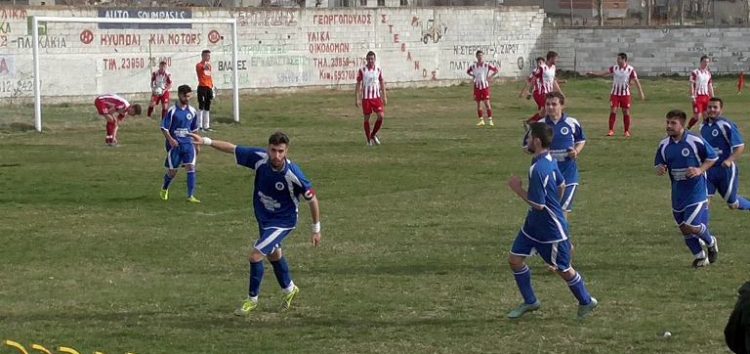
[35, 39]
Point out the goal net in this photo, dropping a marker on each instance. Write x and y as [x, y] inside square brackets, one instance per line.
[118, 55]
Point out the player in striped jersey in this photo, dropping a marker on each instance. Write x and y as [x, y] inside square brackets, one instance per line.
[482, 73]
[161, 83]
[373, 97]
[114, 109]
[622, 74]
[701, 90]
[543, 81]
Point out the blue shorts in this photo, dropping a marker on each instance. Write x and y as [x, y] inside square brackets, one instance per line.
[183, 154]
[725, 181]
[693, 215]
[270, 239]
[566, 202]
[556, 254]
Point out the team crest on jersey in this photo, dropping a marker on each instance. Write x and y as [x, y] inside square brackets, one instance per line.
[279, 186]
[715, 132]
[685, 152]
[189, 116]
[564, 131]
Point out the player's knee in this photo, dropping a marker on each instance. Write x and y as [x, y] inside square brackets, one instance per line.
[276, 255]
[171, 172]
[568, 274]
[189, 167]
[255, 256]
[688, 230]
[515, 262]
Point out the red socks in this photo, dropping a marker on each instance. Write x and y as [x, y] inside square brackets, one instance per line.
[612, 119]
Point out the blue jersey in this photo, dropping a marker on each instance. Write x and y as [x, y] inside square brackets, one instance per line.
[723, 136]
[567, 134]
[547, 225]
[678, 156]
[276, 194]
[179, 122]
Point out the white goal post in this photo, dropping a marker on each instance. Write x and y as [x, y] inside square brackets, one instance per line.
[35, 40]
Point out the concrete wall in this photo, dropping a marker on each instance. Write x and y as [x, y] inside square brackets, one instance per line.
[278, 48]
[652, 51]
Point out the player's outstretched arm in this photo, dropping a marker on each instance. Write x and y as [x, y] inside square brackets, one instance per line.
[216, 144]
[315, 214]
[640, 89]
[599, 73]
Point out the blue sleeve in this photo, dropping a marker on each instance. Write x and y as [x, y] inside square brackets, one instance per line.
[659, 159]
[166, 122]
[706, 151]
[735, 137]
[304, 187]
[249, 156]
[536, 192]
[579, 136]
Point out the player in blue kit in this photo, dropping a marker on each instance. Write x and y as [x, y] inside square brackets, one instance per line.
[176, 126]
[567, 144]
[687, 157]
[279, 186]
[545, 230]
[726, 140]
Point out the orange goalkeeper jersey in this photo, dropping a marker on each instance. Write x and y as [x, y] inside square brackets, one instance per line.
[203, 69]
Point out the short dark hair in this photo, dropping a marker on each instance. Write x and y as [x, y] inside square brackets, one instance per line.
[479, 52]
[623, 56]
[678, 114]
[540, 58]
[136, 109]
[205, 51]
[704, 57]
[163, 62]
[278, 138]
[554, 94]
[717, 99]
[184, 89]
[551, 54]
[370, 54]
[543, 132]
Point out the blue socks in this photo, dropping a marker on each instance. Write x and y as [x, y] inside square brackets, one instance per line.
[578, 288]
[523, 280]
[281, 269]
[256, 276]
[167, 181]
[694, 244]
[191, 183]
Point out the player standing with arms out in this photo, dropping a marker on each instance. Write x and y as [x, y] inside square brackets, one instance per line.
[687, 157]
[114, 109]
[726, 140]
[701, 90]
[205, 90]
[482, 73]
[622, 74]
[279, 185]
[373, 96]
[177, 125]
[543, 80]
[161, 83]
[545, 230]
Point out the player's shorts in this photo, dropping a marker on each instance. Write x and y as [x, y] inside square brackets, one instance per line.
[540, 99]
[568, 197]
[370, 105]
[183, 154]
[163, 99]
[693, 215]
[101, 107]
[701, 104]
[556, 254]
[620, 101]
[481, 94]
[270, 239]
[725, 181]
[205, 95]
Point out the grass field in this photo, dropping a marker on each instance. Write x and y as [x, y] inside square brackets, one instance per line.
[415, 234]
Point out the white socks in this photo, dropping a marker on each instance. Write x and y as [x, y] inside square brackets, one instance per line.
[206, 119]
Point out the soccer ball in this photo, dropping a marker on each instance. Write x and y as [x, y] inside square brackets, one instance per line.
[157, 91]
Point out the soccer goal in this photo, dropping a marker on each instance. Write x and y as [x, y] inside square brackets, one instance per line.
[134, 65]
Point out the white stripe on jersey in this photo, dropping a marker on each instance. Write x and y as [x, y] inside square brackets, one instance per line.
[481, 72]
[700, 79]
[115, 100]
[544, 79]
[621, 79]
[161, 80]
[370, 78]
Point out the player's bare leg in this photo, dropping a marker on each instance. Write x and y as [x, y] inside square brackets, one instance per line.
[488, 107]
[695, 119]
[612, 120]
[479, 113]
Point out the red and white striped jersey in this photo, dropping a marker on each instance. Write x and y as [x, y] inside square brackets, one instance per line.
[161, 79]
[700, 80]
[621, 79]
[118, 103]
[544, 79]
[370, 79]
[481, 72]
